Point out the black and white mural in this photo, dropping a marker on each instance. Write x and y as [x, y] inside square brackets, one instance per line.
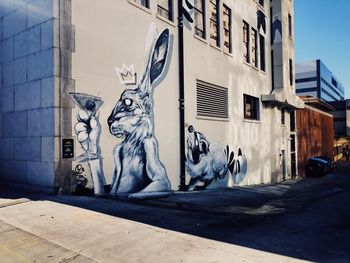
[207, 162]
[138, 167]
[138, 170]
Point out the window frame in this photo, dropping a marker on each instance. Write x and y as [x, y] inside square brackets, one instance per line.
[254, 44]
[169, 11]
[255, 107]
[291, 75]
[246, 41]
[262, 52]
[217, 22]
[227, 29]
[139, 3]
[202, 12]
[290, 27]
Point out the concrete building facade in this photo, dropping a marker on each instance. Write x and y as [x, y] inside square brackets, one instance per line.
[94, 95]
[341, 120]
[341, 116]
[29, 108]
[313, 78]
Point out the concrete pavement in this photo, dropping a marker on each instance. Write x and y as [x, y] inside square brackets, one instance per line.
[185, 227]
[48, 231]
[17, 245]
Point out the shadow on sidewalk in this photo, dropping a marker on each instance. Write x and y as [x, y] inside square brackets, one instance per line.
[271, 218]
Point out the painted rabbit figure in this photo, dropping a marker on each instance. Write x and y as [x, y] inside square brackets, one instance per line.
[138, 168]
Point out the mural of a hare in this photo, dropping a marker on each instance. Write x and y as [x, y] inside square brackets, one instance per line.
[138, 169]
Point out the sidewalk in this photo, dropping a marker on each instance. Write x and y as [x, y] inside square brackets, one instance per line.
[51, 231]
[17, 245]
[43, 228]
[257, 200]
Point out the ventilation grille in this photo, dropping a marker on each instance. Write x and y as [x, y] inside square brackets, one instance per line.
[212, 100]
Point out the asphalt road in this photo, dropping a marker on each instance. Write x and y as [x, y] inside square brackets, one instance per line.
[312, 229]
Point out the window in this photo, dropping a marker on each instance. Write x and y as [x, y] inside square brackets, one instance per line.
[246, 42]
[334, 82]
[251, 107]
[144, 3]
[165, 9]
[291, 79]
[261, 2]
[214, 23]
[283, 117]
[290, 25]
[262, 53]
[254, 48]
[199, 18]
[226, 14]
[292, 121]
[212, 100]
[292, 143]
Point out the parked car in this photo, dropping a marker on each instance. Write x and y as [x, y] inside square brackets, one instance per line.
[317, 167]
[330, 162]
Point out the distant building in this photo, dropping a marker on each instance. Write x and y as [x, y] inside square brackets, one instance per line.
[315, 131]
[313, 78]
[341, 116]
[341, 120]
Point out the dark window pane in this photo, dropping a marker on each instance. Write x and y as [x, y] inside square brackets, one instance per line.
[290, 25]
[291, 79]
[262, 53]
[251, 107]
[144, 3]
[165, 9]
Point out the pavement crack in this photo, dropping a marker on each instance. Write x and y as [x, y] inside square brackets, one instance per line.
[15, 202]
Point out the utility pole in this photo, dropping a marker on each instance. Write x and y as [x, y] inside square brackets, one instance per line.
[182, 186]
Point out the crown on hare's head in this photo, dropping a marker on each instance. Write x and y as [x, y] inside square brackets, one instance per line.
[126, 75]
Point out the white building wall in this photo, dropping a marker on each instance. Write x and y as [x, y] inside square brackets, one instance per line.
[108, 35]
[106, 38]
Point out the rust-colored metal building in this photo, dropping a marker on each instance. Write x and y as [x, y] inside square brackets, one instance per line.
[315, 131]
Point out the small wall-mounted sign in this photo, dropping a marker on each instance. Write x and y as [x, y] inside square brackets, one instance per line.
[67, 148]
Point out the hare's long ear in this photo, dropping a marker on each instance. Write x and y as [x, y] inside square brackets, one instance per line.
[151, 39]
[159, 56]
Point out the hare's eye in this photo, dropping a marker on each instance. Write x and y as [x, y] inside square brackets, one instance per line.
[127, 102]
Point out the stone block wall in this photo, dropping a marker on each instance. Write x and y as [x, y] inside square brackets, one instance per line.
[29, 107]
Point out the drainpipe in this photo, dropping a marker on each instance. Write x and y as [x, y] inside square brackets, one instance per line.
[182, 186]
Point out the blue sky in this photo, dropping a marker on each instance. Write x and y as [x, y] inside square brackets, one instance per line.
[322, 31]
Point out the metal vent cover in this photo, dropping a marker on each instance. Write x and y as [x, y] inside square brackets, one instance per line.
[212, 100]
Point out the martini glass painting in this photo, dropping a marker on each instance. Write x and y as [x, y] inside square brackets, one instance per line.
[90, 104]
